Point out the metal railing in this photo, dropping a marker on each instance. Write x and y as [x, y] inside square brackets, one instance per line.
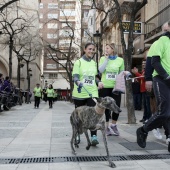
[154, 24]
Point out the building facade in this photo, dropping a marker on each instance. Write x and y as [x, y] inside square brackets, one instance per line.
[60, 28]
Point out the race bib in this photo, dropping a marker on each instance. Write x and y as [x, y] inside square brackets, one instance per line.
[110, 76]
[50, 94]
[88, 80]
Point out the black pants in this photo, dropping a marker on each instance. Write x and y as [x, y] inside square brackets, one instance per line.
[37, 101]
[50, 100]
[162, 117]
[146, 106]
[85, 102]
[108, 92]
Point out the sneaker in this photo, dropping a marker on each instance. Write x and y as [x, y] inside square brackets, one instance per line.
[115, 130]
[141, 137]
[94, 140]
[157, 133]
[142, 120]
[168, 142]
[109, 131]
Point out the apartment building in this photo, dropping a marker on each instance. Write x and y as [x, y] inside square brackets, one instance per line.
[29, 11]
[152, 16]
[59, 19]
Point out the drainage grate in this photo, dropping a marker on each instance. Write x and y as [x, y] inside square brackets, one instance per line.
[82, 159]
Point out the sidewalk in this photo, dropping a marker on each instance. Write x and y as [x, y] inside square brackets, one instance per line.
[26, 132]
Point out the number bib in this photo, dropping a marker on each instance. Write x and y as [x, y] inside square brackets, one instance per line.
[88, 80]
[110, 76]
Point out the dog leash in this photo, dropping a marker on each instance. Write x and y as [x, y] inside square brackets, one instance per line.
[79, 91]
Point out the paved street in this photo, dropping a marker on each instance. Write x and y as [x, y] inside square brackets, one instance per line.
[26, 132]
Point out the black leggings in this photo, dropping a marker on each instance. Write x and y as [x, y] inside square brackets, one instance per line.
[108, 92]
[86, 102]
[50, 100]
[37, 101]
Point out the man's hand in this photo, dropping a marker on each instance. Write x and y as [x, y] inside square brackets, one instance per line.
[148, 86]
[100, 85]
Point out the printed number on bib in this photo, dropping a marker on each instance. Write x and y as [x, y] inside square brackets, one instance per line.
[110, 76]
[88, 81]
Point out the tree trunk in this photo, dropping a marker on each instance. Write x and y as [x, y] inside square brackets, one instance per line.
[10, 57]
[18, 74]
[129, 94]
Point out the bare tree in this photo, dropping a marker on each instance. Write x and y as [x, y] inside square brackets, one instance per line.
[6, 4]
[12, 25]
[67, 51]
[99, 6]
[131, 10]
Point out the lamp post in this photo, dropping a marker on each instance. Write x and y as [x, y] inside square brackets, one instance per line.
[42, 80]
[96, 37]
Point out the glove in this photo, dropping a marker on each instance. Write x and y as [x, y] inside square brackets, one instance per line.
[79, 87]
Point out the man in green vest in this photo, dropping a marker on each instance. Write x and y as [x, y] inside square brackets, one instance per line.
[37, 95]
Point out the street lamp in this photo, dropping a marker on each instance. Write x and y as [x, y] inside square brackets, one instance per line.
[42, 80]
[96, 37]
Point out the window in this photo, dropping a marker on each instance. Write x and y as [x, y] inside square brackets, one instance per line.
[51, 66]
[53, 45]
[64, 43]
[52, 25]
[41, 5]
[91, 21]
[67, 24]
[52, 5]
[52, 16]
[53, 75]
[51, 36]
[67, 13]
[41, 15]
[65, 33]
[53, 55]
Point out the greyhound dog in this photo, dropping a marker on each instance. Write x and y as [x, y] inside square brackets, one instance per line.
[92, 118]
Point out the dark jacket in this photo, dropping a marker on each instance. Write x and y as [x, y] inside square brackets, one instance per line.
[6, 86]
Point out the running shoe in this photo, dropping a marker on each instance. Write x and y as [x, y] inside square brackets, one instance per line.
[94, 140]
[115, 130]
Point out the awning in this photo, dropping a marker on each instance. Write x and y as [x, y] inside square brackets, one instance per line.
[61, 84]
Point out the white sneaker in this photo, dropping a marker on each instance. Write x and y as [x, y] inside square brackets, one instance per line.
[157, 133]
[109, 131]
[167, 141]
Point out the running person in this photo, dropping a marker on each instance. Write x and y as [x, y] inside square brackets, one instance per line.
[37, 95]
[111, 65]
[84, 73]
[161, 84]
[50, 95]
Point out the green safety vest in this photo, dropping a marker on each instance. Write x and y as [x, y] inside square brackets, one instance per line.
[37, 92]
[50, 92]
[87, 72]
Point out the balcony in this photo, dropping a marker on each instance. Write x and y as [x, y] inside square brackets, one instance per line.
[153, 25]
[123, 2]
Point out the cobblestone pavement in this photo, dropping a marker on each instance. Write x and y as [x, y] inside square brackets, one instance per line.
[26, 132]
